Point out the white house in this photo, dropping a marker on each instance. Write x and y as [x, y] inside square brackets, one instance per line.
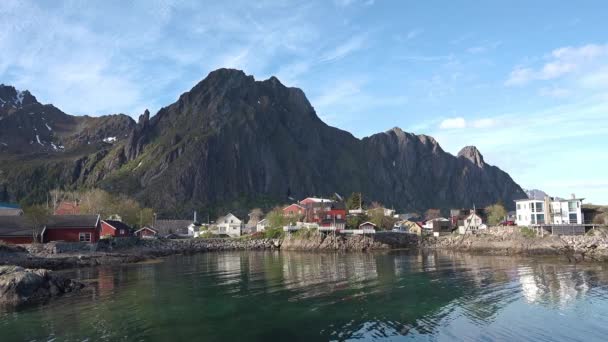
[471, 224]
[261, 225]
[530, 212]
[229, 225]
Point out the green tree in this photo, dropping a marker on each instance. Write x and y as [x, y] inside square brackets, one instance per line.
[276, 219]
[37, 216]
[146, 217]
[354, 201]
[496, 214]
[354, 221]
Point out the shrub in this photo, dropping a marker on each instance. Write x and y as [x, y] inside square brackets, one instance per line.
[274, 233]
[305, 232]
[527, 232]
[207, 235]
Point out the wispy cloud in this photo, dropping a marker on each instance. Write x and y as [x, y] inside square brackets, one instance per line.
[342, 50]
[560, 62]
[484, 47]
[414, 33]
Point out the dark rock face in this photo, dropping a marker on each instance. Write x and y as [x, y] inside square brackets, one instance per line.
[20, 285]
[233, 141]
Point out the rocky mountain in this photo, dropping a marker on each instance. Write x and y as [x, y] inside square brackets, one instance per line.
[230, 142]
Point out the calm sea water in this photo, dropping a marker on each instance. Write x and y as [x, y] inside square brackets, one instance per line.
[289, 296]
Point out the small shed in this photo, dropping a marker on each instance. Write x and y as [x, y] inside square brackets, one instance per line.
[146, 233]
[115, 228]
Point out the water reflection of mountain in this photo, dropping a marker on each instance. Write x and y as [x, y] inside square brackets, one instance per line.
[320, 296]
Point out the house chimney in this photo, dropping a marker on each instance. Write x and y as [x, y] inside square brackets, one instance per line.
[195, 217]
[573, 196]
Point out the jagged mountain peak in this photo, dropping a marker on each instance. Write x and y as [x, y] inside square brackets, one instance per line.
[12, 97]
[232, 137]
[472, 153]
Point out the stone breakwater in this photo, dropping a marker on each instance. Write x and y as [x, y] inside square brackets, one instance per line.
[329, 242]
[20, 285]
[511, 241]
[65, 255]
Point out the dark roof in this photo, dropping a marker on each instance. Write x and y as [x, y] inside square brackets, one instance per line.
[164, 227]
[72, 221]
[14, 226]
[117, 224]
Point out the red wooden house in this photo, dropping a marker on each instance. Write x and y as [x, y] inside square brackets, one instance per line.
[146, 233]
[15, 230]
[115, 228]
[72, 228]
[293, 210]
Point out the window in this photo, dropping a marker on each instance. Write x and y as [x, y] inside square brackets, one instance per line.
[328, 217]
[518, 206]
[572, 206]
[573, 218]
[539, 207]
[532, 207]
[339, 217]
[84, 237]
[540, 218]
[519, 217]
[122, 232]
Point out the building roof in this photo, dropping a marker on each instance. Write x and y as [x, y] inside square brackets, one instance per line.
[296, 204]
[72, 221]
[165, 227]
[316, 199]
[367, 223]
[6, 205]
[117, 224]
[10, 211]
[15, 226]
[146, 228]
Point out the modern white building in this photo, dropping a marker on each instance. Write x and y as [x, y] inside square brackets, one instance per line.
[530, 212]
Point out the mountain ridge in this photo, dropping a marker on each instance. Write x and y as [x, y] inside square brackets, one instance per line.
[236, 141]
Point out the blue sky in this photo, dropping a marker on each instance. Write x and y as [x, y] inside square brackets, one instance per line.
[524, 81]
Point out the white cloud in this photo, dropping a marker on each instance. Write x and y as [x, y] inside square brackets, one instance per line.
[453, 123]
[460, 122]
[559, 63]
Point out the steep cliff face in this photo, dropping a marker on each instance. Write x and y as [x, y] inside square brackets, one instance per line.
[232, 140]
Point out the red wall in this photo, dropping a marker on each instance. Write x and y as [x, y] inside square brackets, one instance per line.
[107, 229]
[293, 210]
[17, 240]
[69, 234]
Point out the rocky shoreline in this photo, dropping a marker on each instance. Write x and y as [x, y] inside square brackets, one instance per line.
[512, 241]
[59, 255]
[20, 285]
[349, 243]
[495, 241]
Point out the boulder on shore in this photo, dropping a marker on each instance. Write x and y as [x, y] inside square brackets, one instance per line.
[20, 285]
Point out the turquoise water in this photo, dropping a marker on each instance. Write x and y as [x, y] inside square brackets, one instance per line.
[278, 296]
